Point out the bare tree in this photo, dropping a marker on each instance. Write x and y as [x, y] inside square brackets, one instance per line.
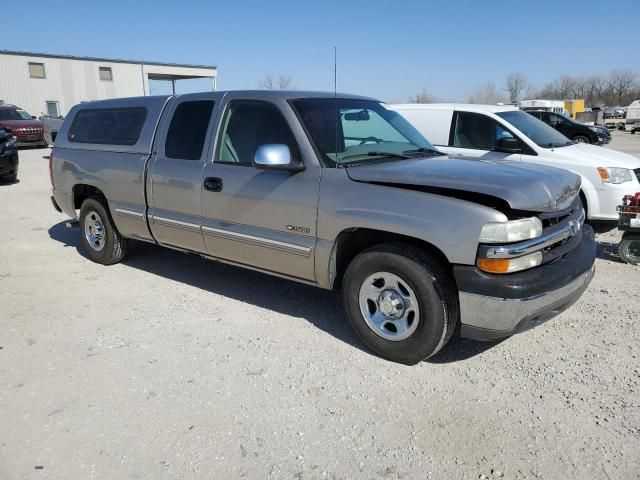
[516, 85]
[488, 94]
[564, 86]
[266, 82]
[531, 92]
[620, 87]
[621, 83]
[578, 88]
[283, 82]
[594, 90]
[422, 97]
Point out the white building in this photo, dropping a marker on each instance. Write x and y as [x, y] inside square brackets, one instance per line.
[52, 84]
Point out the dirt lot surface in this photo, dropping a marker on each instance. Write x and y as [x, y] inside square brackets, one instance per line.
[171, 366]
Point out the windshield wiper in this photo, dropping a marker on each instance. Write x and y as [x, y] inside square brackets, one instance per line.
[424, 150]
[378, 154]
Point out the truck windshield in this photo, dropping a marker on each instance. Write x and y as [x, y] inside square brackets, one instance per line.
[541, 133]
[350, 131]
[13, 114]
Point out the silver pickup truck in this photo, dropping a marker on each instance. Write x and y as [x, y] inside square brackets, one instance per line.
[333, 191]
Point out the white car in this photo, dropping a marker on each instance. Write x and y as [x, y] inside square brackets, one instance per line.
[495, 132]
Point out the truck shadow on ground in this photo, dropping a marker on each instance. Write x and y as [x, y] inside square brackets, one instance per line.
[608, 251]
[322, 308]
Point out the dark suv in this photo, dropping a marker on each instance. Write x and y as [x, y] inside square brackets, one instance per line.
[27, 130]
[8, 157]
[577, 132]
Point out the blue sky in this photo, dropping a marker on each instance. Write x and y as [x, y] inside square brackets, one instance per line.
[388, 50]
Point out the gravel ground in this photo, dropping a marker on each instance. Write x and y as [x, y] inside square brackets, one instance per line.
[171, 366]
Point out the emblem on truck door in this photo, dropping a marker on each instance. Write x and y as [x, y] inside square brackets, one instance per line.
[296, 228]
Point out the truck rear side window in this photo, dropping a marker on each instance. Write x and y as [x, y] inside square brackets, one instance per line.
[110, 126]
[188, 130]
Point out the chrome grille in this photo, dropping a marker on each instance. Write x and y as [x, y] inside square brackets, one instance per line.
[554, 221]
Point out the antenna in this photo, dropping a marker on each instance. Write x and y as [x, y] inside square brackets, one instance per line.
[335, 72]
[335, 95]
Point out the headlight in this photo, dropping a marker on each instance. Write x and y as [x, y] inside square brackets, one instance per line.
[614, 174]
[509, 265]
[511, 231]
[594, 129]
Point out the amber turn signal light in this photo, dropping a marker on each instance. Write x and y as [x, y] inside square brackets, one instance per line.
[493, 265]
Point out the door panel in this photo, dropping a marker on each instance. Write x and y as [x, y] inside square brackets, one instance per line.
[261, 218]
[175, 174]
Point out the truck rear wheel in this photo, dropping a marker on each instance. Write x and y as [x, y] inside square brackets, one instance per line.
[629, 248]
[100, 240]
[400, 302]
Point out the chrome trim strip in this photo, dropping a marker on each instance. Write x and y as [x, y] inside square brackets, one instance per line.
[261, 241]
[176, 223]
[535, 244]
[128, 213]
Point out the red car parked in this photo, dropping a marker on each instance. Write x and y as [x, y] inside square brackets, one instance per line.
[27, 130]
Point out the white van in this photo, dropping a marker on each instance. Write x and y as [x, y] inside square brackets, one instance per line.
[633, 112]
[497, 132]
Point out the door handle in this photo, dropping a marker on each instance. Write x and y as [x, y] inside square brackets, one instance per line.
[213, 184]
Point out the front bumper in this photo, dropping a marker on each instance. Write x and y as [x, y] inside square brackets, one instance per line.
[498, 306]
[31, 140]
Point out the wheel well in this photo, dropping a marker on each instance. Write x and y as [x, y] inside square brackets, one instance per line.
[81, 192]
[585, 205]
[352, 242]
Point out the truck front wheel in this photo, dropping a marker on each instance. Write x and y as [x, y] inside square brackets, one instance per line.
[100, 240]
[400, 302]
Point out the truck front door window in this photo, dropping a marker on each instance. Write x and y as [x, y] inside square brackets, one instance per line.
[247, 126]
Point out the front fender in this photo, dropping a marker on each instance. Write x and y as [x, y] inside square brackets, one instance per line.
[451, 225]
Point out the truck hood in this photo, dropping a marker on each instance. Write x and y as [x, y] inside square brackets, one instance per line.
[13, 124]
[598, 156]
[526, 187]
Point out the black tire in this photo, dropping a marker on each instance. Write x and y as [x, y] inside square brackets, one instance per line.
[13, 178]
[436, 296]
[585, 205]
[114, 247]
[581, 139]
[629, 248]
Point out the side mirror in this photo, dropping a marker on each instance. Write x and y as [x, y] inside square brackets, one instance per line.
[509, 145]
[275, 157]
[33, 117]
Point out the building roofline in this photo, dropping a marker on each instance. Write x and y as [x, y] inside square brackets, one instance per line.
[110, 60]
